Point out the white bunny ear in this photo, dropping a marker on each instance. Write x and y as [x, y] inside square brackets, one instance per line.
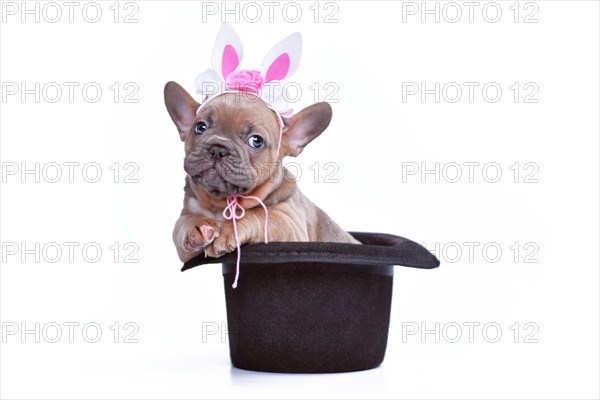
[283, 59]
[227, 52]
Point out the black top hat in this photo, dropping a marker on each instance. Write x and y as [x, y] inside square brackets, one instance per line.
[313, 306]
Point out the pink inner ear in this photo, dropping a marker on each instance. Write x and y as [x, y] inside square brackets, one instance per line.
[230, 60]
[279, 68]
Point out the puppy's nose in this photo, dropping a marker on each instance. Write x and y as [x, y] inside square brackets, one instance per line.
[217, 151]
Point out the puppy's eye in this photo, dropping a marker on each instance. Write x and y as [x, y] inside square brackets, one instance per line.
[200, 127]
[256, 141]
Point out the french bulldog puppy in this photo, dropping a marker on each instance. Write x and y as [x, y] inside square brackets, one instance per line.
[231, 148]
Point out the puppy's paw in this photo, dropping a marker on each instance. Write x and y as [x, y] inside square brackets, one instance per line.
[225, 243]
[199, 233]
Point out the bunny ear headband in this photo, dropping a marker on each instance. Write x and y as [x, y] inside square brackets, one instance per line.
[280, 63]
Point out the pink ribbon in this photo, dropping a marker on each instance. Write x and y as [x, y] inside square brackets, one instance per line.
[231, 213]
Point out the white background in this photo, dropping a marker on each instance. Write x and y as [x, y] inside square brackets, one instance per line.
[368, 54]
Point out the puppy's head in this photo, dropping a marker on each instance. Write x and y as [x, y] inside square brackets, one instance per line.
[231, 142]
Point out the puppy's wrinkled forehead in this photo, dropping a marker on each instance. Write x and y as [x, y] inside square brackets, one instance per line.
[235, 111]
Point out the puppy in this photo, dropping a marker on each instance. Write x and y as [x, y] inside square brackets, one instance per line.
[233, 148]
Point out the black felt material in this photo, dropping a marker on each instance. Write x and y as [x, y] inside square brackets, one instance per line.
[307, 318]
[313, 307]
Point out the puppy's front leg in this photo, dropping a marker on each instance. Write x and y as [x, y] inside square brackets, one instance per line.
[250, 228]
[192, 233]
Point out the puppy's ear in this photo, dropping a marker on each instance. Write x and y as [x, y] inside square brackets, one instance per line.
[181, 106]
[303, 127]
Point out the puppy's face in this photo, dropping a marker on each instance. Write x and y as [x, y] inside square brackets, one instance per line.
[232, 139]
[231, 143]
